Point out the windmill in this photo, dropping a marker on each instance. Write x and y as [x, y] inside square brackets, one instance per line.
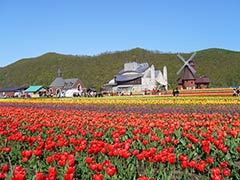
[187, 81]
[187, 63]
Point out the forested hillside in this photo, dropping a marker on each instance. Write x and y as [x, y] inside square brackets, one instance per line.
[221, 66]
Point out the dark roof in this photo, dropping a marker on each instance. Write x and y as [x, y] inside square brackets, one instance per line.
[69, 83]
[59, 82]
[188, 75]
[179, 81]
[127, 77]
[13, 89]
[202, 80]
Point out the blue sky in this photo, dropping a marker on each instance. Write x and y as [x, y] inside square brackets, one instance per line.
[89, 27]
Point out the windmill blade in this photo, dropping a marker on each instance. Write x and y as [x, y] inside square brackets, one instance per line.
[180, 57]
[185, 63]
[192, 56]
[180, 69]
[191, 68]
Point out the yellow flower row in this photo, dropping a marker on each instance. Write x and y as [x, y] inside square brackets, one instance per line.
[133, 100]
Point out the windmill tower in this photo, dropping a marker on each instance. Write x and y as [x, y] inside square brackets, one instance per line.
[187, 81]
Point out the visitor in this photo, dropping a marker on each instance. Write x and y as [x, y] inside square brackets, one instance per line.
[234, 92]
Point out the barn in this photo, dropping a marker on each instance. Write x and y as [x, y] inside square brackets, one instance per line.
[15, 91]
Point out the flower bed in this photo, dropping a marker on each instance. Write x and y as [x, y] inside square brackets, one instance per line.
[40, 140]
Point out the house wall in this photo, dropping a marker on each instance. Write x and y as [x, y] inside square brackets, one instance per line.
[202, 86]
[75, 86]
[189, 84]
[8, 94]
[54, 90]
[146, 84]
[35, 95]
[180, 87]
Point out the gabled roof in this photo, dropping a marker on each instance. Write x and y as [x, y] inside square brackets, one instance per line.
[65, 84]
[69, 83]
[179, 81]
[33, 88]
[13, 89]
[202, 80]
[58, 82]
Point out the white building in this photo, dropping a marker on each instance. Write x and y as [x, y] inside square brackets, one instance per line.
[137, 77]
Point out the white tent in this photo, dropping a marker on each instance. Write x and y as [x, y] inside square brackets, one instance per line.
[72, 92]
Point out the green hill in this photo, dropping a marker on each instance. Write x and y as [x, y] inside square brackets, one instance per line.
[221, 66]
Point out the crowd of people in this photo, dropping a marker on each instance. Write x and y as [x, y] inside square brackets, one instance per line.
[236, 91]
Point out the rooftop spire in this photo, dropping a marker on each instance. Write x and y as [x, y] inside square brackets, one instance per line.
[59, 72]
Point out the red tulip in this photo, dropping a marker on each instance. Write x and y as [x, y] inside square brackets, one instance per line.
[93, 166]
[224, 164]
[171, 158]
[89, 160]
[226, 172]
[192, 164]
[3, 175]
[142, 178]
[210, 160]
[5, 168]
[99, 167]
[215, 171]
[98, 177]
[189, 146]
[71, 160]
[38, 152]
[62, 163]
[238, 149]
[106, 163]
[145, 142]
[7, 149]
[40, 176]
[68, 176]
[71, 170]
[201, 166]
[175, 141]
[111, 170]
[49, 159]
[184, 164]
[216, 177]
[52, 174]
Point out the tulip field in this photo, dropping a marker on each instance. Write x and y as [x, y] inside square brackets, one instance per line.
[120, 138]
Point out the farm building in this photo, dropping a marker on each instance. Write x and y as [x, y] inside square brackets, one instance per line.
[59, 86]
[137, 77]
[36, 91]
[16, 91]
